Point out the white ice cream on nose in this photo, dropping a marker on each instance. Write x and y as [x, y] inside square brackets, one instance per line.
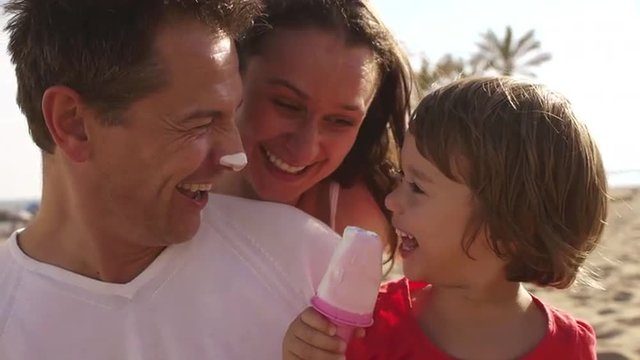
[235, 161]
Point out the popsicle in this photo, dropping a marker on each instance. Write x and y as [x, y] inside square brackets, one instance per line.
[349, 288]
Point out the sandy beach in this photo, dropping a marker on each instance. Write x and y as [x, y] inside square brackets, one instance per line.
[614, 311]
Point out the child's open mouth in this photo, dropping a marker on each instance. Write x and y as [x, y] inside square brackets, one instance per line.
[408, 243]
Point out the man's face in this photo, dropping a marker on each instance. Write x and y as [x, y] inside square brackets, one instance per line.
[151, 175]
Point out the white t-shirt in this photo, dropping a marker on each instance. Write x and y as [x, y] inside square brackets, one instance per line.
[229, 293]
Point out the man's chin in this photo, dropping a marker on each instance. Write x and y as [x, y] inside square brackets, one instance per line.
[183, 232]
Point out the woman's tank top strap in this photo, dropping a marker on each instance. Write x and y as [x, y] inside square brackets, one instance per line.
[334, 193]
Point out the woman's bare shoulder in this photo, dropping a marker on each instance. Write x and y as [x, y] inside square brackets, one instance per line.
[358, 207]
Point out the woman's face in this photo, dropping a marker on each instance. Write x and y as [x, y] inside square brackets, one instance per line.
[305, 97]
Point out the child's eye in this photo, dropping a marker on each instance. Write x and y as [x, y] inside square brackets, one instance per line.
[399, 175]
[415, 188]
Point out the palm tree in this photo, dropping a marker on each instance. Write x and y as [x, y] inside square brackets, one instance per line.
[445, 70]
[508, 56]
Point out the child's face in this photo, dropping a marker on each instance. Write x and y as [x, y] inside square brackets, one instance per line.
[432, 214]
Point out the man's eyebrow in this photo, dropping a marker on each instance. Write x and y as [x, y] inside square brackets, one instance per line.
[201, 113]
[206, 113]
[419, 174]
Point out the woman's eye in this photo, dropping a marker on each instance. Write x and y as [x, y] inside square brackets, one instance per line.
[341, 121]
[287, 105]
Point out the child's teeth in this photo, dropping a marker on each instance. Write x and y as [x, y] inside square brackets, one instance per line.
[401, 233]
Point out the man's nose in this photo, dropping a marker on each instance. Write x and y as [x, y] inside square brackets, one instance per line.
[228, 151]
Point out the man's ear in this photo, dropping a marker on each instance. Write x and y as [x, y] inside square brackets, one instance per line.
[66, 117]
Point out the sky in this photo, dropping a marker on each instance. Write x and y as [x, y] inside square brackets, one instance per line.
[595, 47]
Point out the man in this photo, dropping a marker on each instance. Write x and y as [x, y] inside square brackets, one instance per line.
[132, 105]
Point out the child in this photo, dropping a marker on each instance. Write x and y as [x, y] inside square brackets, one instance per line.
[502, 185]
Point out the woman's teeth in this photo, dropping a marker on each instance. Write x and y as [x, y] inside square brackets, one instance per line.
[280, 164]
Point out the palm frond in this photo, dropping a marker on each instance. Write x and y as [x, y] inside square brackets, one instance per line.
[537, 60]
[526, 38]
[527, 73]
[492, 39]
[527, 48]
[506, 43]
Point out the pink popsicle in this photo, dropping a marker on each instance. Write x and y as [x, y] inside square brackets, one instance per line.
[349, 288]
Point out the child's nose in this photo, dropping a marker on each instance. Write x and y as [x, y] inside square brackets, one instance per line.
[391, 201]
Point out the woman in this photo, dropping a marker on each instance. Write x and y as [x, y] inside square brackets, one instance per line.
[326, 96]
[326, 93]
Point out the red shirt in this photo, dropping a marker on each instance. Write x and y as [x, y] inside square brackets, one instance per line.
[396, 334]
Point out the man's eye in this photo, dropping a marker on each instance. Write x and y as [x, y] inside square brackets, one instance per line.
[202, 126]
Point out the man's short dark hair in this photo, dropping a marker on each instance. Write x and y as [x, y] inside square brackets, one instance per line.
[103, 49]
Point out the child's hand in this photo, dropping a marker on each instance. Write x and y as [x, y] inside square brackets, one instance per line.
[312, 336]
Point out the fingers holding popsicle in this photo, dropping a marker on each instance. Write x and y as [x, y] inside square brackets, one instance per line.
[312, 336]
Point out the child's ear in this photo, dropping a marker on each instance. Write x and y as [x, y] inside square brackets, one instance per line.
[66, 118]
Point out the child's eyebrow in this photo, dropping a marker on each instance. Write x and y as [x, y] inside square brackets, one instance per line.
[419, 174]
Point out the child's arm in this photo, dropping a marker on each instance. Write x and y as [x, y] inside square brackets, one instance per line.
[312, 336]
